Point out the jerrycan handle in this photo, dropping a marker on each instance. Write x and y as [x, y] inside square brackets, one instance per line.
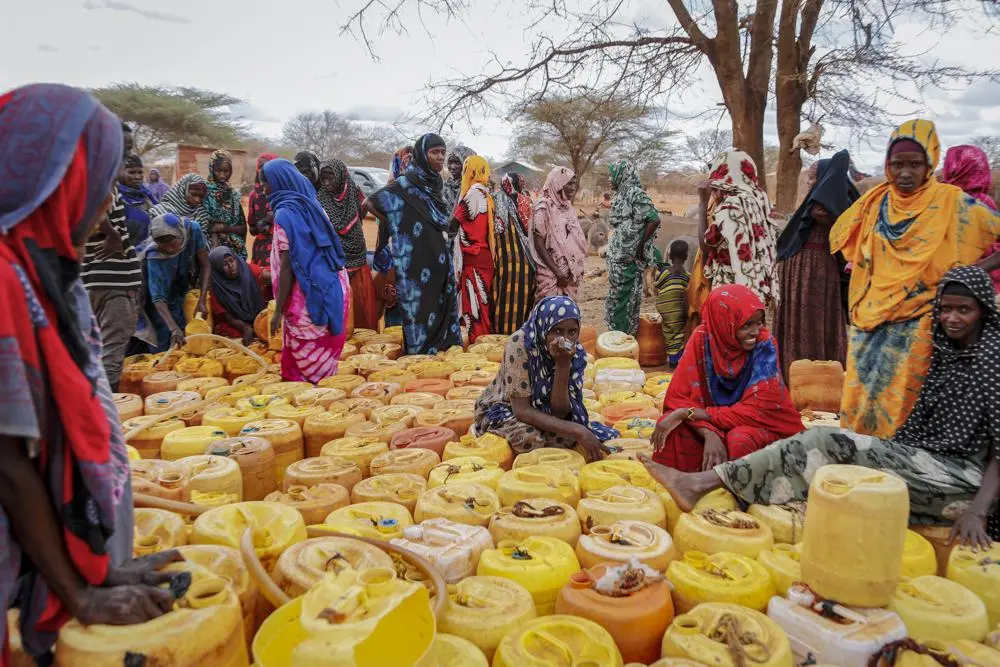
[545, 636]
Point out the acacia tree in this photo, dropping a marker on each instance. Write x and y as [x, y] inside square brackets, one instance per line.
[161, 116]
[991, 146]
[581, 132]
[329, 134]
[828, 52]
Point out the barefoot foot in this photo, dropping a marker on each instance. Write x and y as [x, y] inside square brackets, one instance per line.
[679, 484]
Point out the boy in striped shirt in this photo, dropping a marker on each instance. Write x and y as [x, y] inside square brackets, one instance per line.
[671, 300]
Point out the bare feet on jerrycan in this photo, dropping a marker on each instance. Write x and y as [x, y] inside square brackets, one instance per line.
[679, 484]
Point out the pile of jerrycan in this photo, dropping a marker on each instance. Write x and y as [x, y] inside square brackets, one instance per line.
[361, 522]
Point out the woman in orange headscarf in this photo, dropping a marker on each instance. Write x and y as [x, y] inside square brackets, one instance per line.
[474, 213]
[902, 236]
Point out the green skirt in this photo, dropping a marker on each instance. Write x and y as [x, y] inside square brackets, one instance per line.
[941, 487]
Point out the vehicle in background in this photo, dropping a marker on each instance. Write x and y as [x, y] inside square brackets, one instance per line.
[369, 179]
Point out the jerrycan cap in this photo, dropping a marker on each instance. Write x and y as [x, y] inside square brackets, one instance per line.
[414, 533]
[386, 525]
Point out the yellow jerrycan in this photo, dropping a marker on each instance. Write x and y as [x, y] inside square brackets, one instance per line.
[360, 451]
[980, 573]
[620, 503]
[452, 651]
[204, 628]
[919, 558]
[558, 641]
[375, 520]
[538, 481]
[536, 516]
[933, 653]
[623, 541]
[472, 504]
[367, 618]
[465, 470]
[714, 531]
[720, 499]
[543, 565]
[782, 563]
[552, 456]
[275, 528]
[412, 460]
[489, 446]
[485, 609]
[602, 475]
[727, 635]
[852, 547]
[302, 565]
[402, 488]
[157, 530]
[936, 608]
[786, 522]
[720, 577]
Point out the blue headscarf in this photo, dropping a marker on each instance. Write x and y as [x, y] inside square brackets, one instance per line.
[547, 313]
[313, 247]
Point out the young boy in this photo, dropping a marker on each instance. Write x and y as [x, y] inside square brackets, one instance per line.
[671, 300]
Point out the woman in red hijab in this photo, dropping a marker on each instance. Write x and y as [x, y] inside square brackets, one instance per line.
[726, 399]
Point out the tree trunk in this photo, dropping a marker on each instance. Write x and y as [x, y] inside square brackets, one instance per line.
[748, 136]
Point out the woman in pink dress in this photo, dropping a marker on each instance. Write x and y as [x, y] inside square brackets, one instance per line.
[312, 289]
[558, 244]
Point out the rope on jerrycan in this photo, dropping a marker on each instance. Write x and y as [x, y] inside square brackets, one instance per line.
[277, 597]
[727, 631]
[261, 361]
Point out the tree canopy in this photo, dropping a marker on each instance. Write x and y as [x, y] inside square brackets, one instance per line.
[331, 135]
[160, 116]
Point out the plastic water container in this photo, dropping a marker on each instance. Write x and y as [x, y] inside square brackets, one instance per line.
[630, 601]
[231, 420]
[287, 390]
[401, 488]
[563, 641]
[980, 573]
[848, 640]
[377, 520]
[418, 399]
[552, 456]
[162, 382]
[465, 470]
[714, 531]
[285, 437]
[293, 413]
[319, 429]
[262, 402]
[189, 441]
[157, 530]
[471, 504]
[624, 541]
[852, 549]
[322, 470]
[414, 461]
[433, 438]
[602, 475]
[393, 414]
[346, 383]
[488, 446]
[128, 405]
[206, 628]
[149, 441]
[166, 401]
[720, 499]
[358, 450]
[275, 528]
[543, 565]
[201, 368]
[255, 458]
[451, 651]
[936, 608]
[919, 558]
[213, 474]
[536, 516]
[303, 564]
[457, 419]
[314, 503]
[786, 522]
[455, 548]
[232, 398]
[782, 563]
[706, 634]
[720, 577]
[618, 503]
[538, 481]
[484, 609]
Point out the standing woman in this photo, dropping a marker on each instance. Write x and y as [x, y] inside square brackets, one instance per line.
[514, 281]
[174, 260]
[156, 185]
[136, 197]
[558, 243]
[968, 167]
[810, 322]
[453, 186]
[735, 230]
[634, 220]
[260, 220]
[415, 217]
[901, 237]
[312, 290]
[474, 214]
[308, 165]
[227, 224]
[185, 199]
[236, 294]
[341, 199]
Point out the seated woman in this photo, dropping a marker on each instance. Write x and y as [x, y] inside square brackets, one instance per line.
[536, 400]
[946, 451]
[175, 254]
[236, 296]
[726, 398]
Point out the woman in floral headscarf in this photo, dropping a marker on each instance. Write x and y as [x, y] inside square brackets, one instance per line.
[514, 280]
[227, 225]
[968, 167]
[558, 244]
[634, 220]
[901, 236]
[738, 244]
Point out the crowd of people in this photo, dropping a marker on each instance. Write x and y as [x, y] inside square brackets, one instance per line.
[94, 262]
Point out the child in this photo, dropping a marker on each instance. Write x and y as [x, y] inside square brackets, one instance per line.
[671, 300]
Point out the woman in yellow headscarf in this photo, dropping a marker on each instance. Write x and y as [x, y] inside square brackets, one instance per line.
[901, 237]
[474, 214]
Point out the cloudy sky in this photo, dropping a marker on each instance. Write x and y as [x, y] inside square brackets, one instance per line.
[288, 57]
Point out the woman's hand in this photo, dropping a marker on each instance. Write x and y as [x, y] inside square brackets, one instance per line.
[123, 605]
[275, 323]
[218, 228]
[665, 427]
[144, 570]
[560, 353]
[201, 308]
[177, 338]
[248, 334]
[593, 450]
[715, 451]
[970, 531]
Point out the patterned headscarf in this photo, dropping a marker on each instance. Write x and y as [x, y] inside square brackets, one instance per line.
[968, 167]
[400, 161]
[308, 161]
[175, 201]
[631, 211]
[239, 296]
[343, 207]
[740, 229]
[547, 313]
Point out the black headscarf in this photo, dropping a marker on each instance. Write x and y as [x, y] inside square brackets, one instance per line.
[958, 411]
[239, 296]
[308, 161]
[343, 207]
[834, 190]
[423, 185]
